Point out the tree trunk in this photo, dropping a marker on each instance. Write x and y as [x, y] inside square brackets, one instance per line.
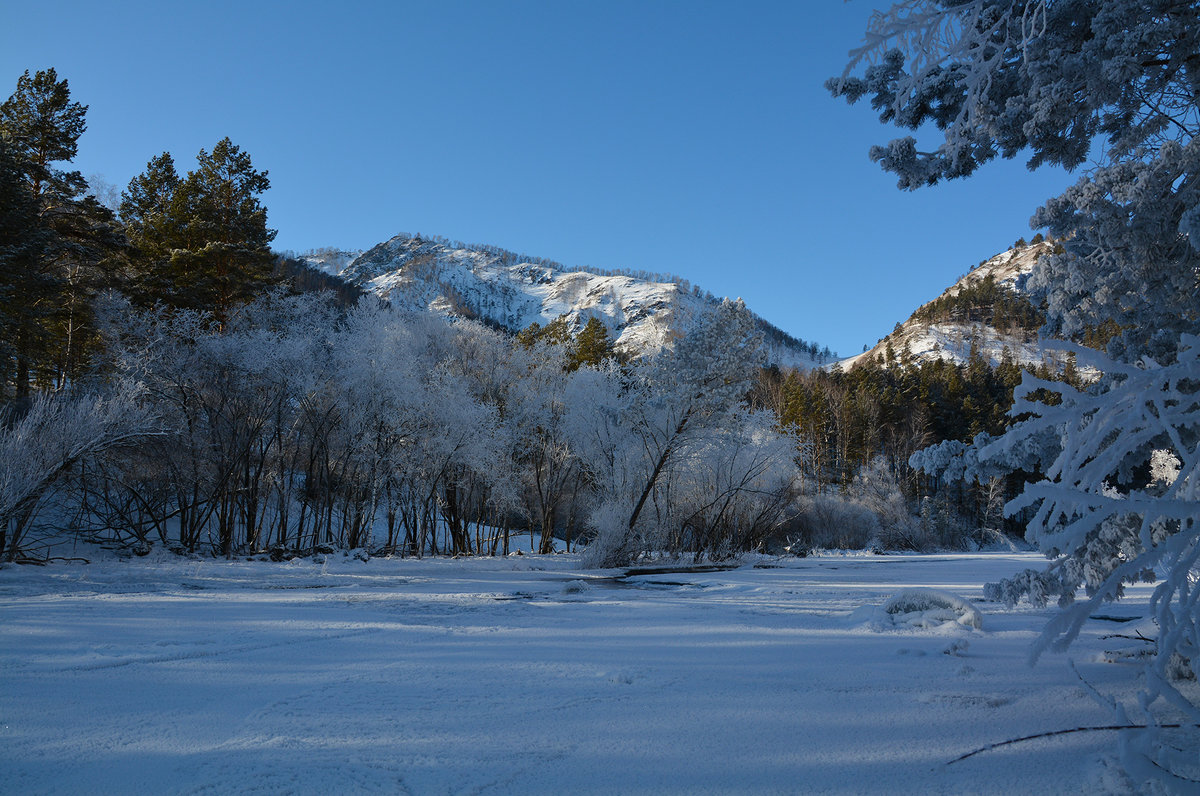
[658, 466]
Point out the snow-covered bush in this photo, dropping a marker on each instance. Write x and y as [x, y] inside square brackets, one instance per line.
[58, 432]
[927, 608]
[678, 464]
[828, 521]
[876, 489]
[733, 487]
[871, 512]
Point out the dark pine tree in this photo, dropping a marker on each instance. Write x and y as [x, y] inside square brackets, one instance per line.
[42, 126]
[151, 217]
[592, 346]
[26, 290]
[216, 230]
[79, 245]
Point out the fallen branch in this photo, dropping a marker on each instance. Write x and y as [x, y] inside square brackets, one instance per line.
[1052, 733]
[1138, 637]
[41, 562]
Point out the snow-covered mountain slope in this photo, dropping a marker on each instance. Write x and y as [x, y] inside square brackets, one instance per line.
[947, 330]
[330, 261]
[642, 312]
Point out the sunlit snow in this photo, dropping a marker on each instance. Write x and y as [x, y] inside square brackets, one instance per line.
[642, 314]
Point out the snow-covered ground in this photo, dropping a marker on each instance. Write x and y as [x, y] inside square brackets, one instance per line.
[527, 675]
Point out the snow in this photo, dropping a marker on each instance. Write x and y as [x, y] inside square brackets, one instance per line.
[952, 342]
[641, 314]
[330, 261]
[528, 674]
[928, 342]
[930, 608]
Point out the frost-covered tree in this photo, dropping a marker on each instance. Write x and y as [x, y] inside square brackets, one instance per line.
[734, 487]
[676, 400]
[1132, 252]
[1116, 82]
[538, 415]
[1120, 503]
[57, 433]
[1109, 82]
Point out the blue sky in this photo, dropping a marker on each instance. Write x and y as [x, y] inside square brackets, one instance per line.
[688, 137]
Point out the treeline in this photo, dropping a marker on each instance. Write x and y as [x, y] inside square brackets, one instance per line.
[867, 422]
[195, 241]
[291, 426]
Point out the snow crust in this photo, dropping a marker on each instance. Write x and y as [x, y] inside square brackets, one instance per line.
[527, 674]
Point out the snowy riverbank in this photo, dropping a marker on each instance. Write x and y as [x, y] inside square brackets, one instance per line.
[527, 675]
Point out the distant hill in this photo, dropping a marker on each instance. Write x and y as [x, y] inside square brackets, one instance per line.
[987, 309]
[642, 311]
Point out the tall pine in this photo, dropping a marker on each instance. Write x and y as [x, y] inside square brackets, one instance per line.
[200, 242]
[227, 258]
[42, 127]
[150, 215]
[26, 290]
[78, 245]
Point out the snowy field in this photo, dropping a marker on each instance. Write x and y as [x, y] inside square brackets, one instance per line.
[527, 675]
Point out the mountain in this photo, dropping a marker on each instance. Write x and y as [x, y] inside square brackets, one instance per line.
[641, 311]
[988, 309]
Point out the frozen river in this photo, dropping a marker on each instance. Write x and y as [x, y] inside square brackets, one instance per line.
[527, 675]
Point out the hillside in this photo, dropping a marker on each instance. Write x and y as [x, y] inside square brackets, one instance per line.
[986, 309]
[641, 311]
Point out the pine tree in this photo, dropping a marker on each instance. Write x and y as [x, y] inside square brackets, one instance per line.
[25, 288]
[79, 244]
[201, 242]
[592, 346]
[42, 126]
[149, 213]
[557, 332]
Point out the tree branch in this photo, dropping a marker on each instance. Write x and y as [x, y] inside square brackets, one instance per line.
[1053, 733]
